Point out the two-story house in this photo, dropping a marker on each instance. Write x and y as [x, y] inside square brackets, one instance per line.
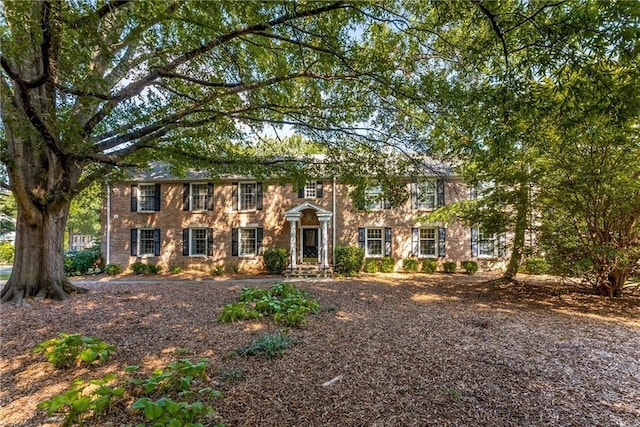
[198, 223]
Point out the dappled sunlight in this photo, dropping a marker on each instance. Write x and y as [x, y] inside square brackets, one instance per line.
[253, 327]
[432, 298]
[13, 411]
[343, 315]
[614, 319]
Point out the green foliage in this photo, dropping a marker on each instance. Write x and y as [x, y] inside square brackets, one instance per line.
[450, 267]
[410, 265]
[535, 265]
[176, 269]
[372, 265]
[217, 270]
[80, 262]
[349, 260]
[142, 268]
[269, 346]
[83, 399]
[7, 252]
[429, 265]
[470, 267]
[178, 376]
[154, 268]
[167, 412]
[112, 269]
[387, 264]
[283, 301]
[74, 349]
[275, 260]
[231, 375]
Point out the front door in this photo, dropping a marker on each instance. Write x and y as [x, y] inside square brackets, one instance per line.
[310, 245]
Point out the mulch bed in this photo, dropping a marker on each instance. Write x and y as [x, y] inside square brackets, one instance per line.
[385, 350]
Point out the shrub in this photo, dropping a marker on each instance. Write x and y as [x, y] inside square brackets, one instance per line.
[275, 260]
[76, 263]
[168, 412]
[372, 266]
[471, 267]
[139, 268]
[387, 264]
[349, 260]
[536, 265]
[217, 270]
[429, 265]
[70, 349]
[450, 267]
[7, 252]
[112, 269]
[269, 346]
[154, 268]
[410, 265]
[176, 269]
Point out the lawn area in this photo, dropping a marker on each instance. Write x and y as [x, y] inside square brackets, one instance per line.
[402, 350]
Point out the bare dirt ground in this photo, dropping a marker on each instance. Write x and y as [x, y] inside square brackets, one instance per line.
[411, 350]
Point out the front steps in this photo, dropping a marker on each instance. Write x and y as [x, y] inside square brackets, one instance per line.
[308, 271]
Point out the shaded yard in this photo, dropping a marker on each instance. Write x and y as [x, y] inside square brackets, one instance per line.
[411, 350]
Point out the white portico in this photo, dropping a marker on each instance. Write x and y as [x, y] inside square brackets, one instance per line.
[309, 235]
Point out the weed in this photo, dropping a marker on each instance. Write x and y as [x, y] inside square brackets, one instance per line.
[454, 392]
[70, 349]
[177, 376]
[269, 346]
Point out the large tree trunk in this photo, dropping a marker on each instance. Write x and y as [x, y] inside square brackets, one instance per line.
[522, 210]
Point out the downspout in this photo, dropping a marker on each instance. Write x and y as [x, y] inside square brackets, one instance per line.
[108, 225]
[334, 221]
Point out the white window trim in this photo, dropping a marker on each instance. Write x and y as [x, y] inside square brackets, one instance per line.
[139, 190]
[255, 242]
[191, 245]
[311, 188]
[255, 196]
[366, 242]
[378, 194]
[191, 194]
[419, 202]
[153, 236]
[436, 241]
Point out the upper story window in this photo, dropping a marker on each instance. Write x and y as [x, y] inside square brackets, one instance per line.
[374, 198]
[426, 195]
[145, 197]
[311, 190]
[247, 196]
[198, 196]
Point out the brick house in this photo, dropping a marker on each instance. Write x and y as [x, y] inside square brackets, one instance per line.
[198, 223]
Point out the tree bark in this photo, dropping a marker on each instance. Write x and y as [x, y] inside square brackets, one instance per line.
[522, 210]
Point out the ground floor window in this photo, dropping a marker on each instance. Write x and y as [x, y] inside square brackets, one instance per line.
[246, 241]
[197, 241]
[428, 246]
[145, 242]
[376, 241]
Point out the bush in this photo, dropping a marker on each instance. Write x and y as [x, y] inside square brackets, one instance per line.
[471, 267]
[409, 265]
[74, 349]
[112, 269]
[217, 270]
[387, 264]
[450, 267]
[7, 252]
[269, 346]
[349, 260]
[176, 269]
[76, 263]
[154, 268]
[139, 268]
[372, 266]
[429, 265]
[536, 265]
[275, 260]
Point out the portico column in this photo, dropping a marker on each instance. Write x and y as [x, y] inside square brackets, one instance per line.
[292, 241]
[325, 244]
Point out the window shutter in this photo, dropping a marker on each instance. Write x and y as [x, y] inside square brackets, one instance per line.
[185, 242]
[234, 196]
[186, 190]
[440, 192]
[134, 242]
[157, 198]
[361, 237]
[474, 242]
[473, 192]
[415, 242]
[502, 245]
[156, 242]
[134, 198]
[442, 240]
[301, 192]
[360, 197]
[387, 203]
[414, 195]
[319, 190]
[259, 196]
[210, 196]
[210, 241]
[259, 237]
[234, 241]
[387, 241]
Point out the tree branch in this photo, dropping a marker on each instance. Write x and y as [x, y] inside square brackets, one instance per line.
[493, 18]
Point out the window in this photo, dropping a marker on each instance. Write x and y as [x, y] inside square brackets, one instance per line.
[147, 242]
[75, 239]
[199, 194]
[310, 191]
[82, 239]
[146, 197]
[486, 244]
[426, 195]
[428, 246]
[374, 242]
[197, 241]
[374, 198]
[246, 241]
[248, 196]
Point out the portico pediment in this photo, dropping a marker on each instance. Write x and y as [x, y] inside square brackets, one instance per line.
[294, 213]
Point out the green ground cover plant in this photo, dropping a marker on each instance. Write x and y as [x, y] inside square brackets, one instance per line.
[74, 349]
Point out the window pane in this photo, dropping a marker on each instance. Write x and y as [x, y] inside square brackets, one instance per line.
[147, 199]
[146, 242]
[198, 197]
[247, 196]
[247, 241]
[310, 191]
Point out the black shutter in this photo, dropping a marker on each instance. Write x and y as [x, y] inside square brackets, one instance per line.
[387, 241]
[442, 240]
[210, 196]
[361, 237]
[319, 190]
[258, 195]
[414, 195]
[473, 192]
[502, 245]
[415, 242]
[440, 192]
[474, 242]
[156, 242]
[234, 196]
[301, 192]
[234, 241]
[186, 192]
[259, 237]
[185, 242]
[134, 198]
[210, 241]
[157, 198]
[387, 203]
[134, 242]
